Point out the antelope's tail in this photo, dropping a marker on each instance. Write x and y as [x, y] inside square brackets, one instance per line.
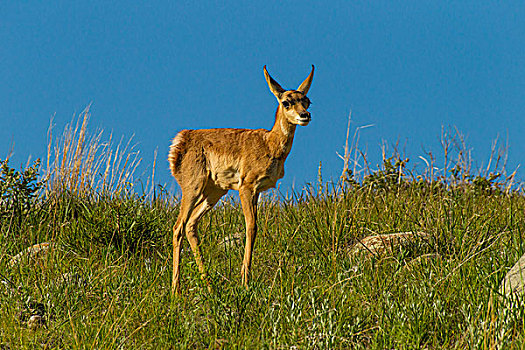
[177, 150]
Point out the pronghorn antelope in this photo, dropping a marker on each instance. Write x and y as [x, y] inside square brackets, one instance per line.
[208, 163]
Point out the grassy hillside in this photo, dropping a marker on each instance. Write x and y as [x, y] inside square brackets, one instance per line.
[105, 281]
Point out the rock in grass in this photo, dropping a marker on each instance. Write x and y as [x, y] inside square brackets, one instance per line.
[35, 322]
[514, 282]
[31, 253]
[231, 241]
[415, 264]
[32, 315]
[385, 243]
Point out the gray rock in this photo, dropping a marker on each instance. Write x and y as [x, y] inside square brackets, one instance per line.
[384, 243]
[35, 322]
[31, 253]
[514, 281]
[231, 241]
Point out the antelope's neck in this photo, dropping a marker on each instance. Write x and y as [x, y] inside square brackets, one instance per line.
[280, 138]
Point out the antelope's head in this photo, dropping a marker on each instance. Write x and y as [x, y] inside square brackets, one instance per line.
[293, 103]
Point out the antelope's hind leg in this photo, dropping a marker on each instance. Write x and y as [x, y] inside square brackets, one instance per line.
[187, 206]
[209, 198]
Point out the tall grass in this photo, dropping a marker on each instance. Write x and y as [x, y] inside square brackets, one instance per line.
[81, 164]
[106, 282]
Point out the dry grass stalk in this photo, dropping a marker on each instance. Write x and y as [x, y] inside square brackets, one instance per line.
[75, 161]
[352, 147]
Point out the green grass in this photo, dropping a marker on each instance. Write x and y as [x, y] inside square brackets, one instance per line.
[106, 282]
[307, 291]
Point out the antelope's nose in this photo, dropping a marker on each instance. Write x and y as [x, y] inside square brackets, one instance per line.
[305, 115]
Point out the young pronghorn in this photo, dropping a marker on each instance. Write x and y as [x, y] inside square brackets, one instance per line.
[208, 163]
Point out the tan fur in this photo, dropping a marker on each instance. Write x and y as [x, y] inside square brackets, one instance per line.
[207, 163]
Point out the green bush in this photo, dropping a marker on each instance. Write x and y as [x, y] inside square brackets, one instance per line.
[18, 189]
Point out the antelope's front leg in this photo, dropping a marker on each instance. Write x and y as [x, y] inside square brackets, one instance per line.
[249, 207]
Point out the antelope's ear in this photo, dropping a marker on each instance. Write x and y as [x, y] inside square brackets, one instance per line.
[275, 88]
[305, 85]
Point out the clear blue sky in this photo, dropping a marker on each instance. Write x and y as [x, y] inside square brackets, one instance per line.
[151, 68]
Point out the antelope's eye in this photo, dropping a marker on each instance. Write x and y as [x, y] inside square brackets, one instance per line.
[286, 104]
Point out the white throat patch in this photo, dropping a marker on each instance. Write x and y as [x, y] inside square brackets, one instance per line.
[284, 128]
